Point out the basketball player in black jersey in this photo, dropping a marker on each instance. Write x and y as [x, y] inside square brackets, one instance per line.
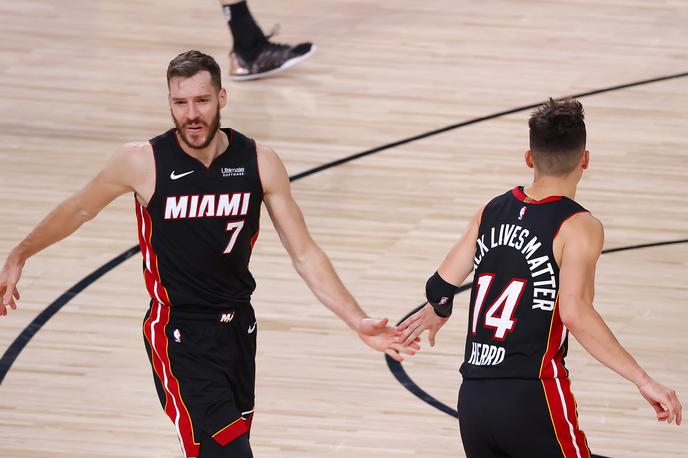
[533, 251]
[198, 191]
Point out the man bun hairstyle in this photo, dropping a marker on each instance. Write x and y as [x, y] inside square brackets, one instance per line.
[557, 136]
[188, 63]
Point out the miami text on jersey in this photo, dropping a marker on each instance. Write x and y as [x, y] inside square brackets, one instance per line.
[207, 205]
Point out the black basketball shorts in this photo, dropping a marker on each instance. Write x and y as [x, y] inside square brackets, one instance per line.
[517, 418]
[204, 369]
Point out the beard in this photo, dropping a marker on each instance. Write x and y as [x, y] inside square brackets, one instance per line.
[212, 130]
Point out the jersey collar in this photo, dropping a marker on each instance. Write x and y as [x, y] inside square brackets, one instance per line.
[520, 195]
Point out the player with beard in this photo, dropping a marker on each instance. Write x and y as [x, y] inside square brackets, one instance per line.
[198, 190]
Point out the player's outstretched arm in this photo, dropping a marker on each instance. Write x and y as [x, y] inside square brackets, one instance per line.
[583, 237]
[440, 288]
[121, 174]
[314, 266]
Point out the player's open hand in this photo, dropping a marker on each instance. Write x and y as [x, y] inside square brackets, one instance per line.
[381, 336]
[9, 277]
[425, 318]
[663, 400]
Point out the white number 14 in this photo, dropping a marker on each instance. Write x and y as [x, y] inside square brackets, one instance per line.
[506, 303]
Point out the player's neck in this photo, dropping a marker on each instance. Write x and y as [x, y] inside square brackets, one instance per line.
[545, 186]
[217, 146]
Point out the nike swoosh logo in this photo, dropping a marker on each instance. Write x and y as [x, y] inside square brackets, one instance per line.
[174, 176]
[252, 328]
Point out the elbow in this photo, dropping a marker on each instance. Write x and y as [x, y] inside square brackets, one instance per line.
[570, 320]
[76, 210]
[302, 260]
[86, 215]
[299, 264]
[571, 313]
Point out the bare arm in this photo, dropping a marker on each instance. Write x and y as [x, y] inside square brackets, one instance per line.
[583, 237]
[310, 261]
[458, 263]
[123, 173]
[455, 267]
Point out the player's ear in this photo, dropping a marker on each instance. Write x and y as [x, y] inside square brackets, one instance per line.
[586, 159]
[222, 97]
[529, 159]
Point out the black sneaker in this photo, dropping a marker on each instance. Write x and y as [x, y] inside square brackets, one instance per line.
[273, 58]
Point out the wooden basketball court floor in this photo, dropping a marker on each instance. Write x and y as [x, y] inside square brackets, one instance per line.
[80, 77]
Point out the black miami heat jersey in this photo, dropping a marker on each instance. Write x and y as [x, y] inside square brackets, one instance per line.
[198, 230]
[514, 328]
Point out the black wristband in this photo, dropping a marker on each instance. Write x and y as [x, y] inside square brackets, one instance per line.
[440, 295]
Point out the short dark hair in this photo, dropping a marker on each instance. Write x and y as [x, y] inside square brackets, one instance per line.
[557, 136]
[188, 63]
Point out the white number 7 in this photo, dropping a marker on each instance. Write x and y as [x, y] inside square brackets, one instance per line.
[234, 228]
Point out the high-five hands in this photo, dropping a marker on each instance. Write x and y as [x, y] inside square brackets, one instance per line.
[381, 336]
[425, 318]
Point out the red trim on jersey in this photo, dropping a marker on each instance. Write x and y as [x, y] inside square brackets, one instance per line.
[233, 430]
[566, 219]
[564, 418]
[155, 175]
[151, 274]
[572, 411]
[154, 329]
[255, 237]
[558, 360]
[556, 415]
[554, 353]
[520, 195]
[260, 181]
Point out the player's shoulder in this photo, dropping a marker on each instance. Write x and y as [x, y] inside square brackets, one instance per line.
[585, 220]
[271, 170]
[478, 215]
[583, 228]
[133, 149]
[268, 160]
[132, 157]
[266, 152]
[137, 147]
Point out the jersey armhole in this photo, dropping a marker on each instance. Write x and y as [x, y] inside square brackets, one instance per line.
[260, 180]
[480, 220]
[566, 219]
[577, 212]
[484, 209]
[155, 177]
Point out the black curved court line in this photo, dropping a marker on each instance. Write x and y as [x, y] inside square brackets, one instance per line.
[441, 130]
[27, 333]
[403, 378]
